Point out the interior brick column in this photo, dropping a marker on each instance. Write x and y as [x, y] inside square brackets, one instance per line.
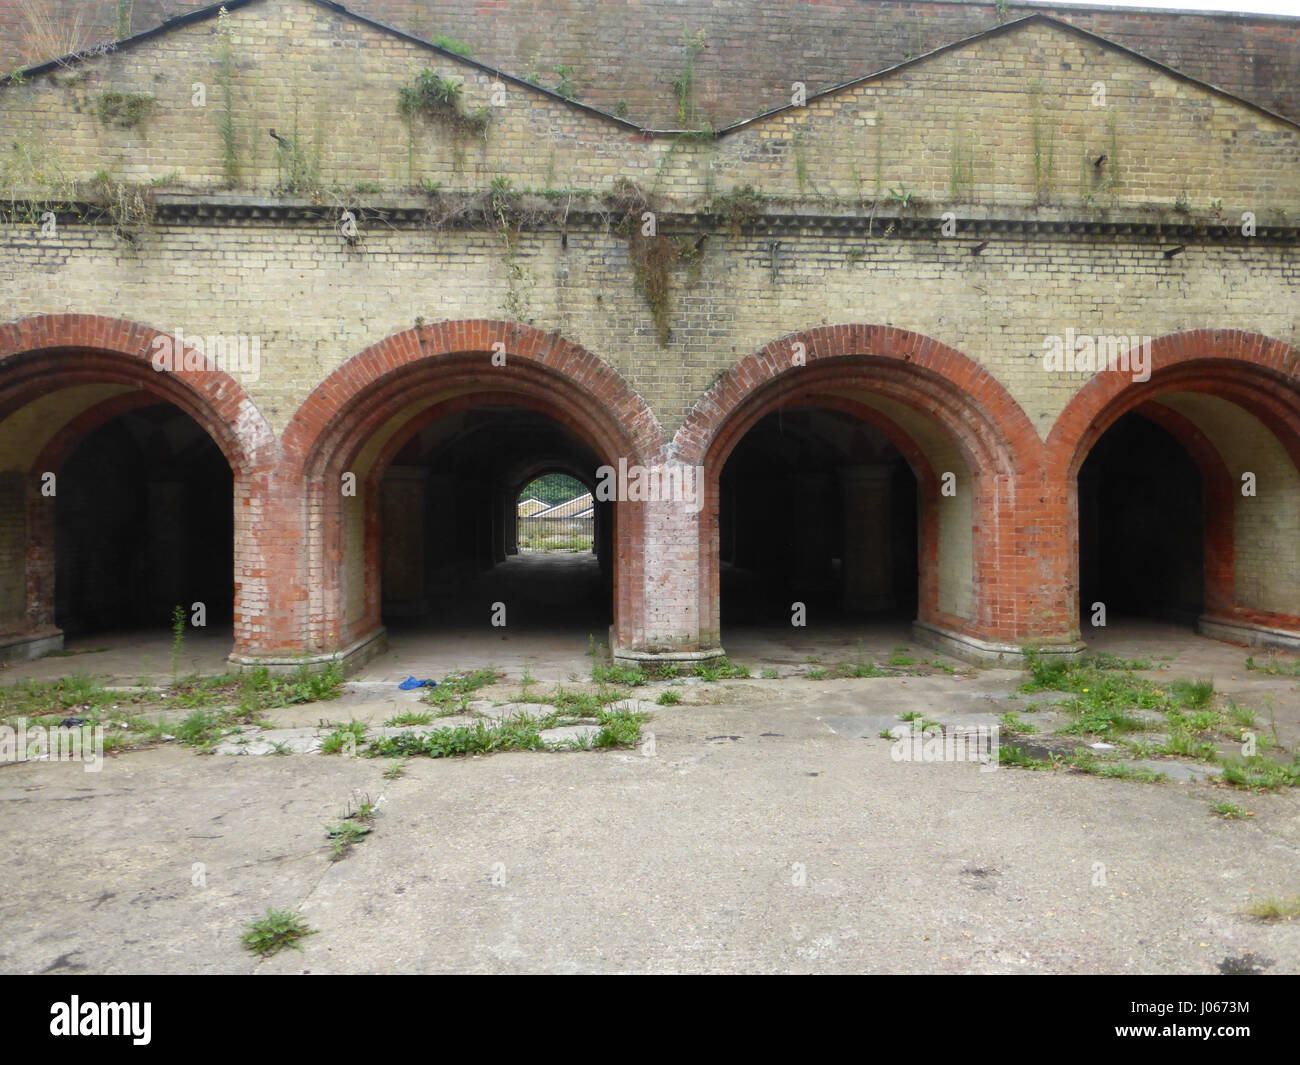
[402, 508]
[867, 577]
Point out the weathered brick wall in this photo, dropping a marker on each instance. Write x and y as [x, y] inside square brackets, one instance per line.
[1008, 120]
[1267, 573]
[848, 233]
[13, 550]
[250, 280]
[631, 51]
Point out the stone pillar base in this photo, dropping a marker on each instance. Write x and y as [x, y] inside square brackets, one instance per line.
[981, 652]
[350, 658]
[625, 657]
[1232, 630]
[25, 647]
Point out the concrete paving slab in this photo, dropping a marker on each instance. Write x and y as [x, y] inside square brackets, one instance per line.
[750, 836]
[569, 735]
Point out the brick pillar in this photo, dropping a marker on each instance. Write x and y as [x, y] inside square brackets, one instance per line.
[402, 506]
[273, 608]
[27, 627]
[13, 553]
[665, 598]
[868, 559]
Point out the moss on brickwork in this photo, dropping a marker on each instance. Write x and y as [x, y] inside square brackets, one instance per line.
[123, 109]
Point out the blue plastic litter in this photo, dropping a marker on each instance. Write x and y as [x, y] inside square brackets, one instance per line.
[411, 682]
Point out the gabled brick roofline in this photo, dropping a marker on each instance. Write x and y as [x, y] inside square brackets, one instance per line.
[1010, 27]
[210, 12]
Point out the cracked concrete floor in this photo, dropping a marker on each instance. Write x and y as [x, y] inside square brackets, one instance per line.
[755, 838]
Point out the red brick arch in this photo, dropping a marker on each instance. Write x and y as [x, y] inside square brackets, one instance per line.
[1257, 373]
[45, 353]
[42, 354]
[543, 372]
[964, 399]
[931, 372]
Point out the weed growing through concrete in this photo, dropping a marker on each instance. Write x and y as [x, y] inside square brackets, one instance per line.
[1229, 811]
[351, 828]
[668, 698]
[849, 670]
[33, 698]
[253, 693]
[1260, 773]
[277, 930]
[345, 737]
[618, 728]
[409, 717]
[1010, 754]
[723, 668]
[456, 687]
[611, 673]
[1110, 701]
[178, 638]
[1085, 761]
[1275, 909]
[1275, 666]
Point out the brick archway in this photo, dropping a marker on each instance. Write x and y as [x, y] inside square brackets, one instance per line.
[43, 355]
[360, 415]
[854, 365]
[1252, 372]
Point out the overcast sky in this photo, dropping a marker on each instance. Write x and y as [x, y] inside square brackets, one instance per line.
[1265, 7]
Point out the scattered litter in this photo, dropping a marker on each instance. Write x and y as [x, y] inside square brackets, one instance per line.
[410, 683]
[1102, 746]
[72, 722]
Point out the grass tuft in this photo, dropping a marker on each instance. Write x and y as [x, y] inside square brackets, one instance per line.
[277, 930]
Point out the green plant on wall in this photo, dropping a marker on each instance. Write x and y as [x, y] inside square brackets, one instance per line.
[564, 87]
[450, 44]
[800, 153]
[742, 206]
[127, 207]
[504, 212]
[684, 83]
[880, 157]
[123, 109]
[961, 166]
[651, 253]
[1043, 138]
[226, 81]
[440, 99]
[1099, 167]
[1112, 151]
[124, 18]
[297, 166]
[33, 184]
